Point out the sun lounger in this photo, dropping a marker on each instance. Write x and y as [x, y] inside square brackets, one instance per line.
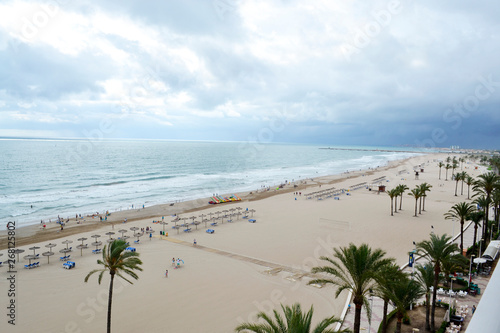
[210, 231]
[187, 230]
[213, 224]
[27, 266]
[252, 220]
[96, 251]
[130, 249]
[64, 258]
[136, 241]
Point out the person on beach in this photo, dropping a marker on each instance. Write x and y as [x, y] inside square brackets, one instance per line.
[173, 262]
[166, 273]
[194, 242]
[473, 309]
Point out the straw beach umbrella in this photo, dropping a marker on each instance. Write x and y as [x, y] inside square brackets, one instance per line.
[67, 242]
[164, 224]
[34, 248]
[122, 231]
[97, 244]
[48, 254]
[17, 251]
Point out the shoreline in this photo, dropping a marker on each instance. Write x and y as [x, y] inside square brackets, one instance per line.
[34, 233]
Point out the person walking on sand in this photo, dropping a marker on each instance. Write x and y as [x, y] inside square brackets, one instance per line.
[194, 242]
[173, 262]
[166, 273]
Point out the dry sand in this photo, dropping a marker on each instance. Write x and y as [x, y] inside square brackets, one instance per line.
[230, 275]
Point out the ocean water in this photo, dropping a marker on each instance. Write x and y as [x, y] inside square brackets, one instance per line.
[41, 179]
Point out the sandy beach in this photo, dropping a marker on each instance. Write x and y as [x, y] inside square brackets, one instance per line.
[235, 272]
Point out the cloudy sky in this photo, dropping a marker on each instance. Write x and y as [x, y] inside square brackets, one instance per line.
[329, 72]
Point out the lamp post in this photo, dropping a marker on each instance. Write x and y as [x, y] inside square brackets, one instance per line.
[470, 269]
[451, 290]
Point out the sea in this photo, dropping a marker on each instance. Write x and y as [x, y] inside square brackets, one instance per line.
[41, 179]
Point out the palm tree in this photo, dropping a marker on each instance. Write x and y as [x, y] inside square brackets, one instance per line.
[392, 193]
[295, 322]
[460, 211]
[486, 183]
[116, 261]
[476, 217]
[436, 250]
[404, 293]
[458, 177]
[454, 165]
[416, 193]
[447, 167]
[385, 280]
[440, 165]
[425, 275]
[495, 200]
[424, 187]
[483, 202]
[469, 180]
[355, 269]
[401, 189]
[463, 178]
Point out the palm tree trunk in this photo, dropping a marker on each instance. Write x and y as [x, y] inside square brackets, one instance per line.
[423, 204]
[357, 317]
[398, 324]
[427, 310]
[392, 204]
[434, 295]
[462, 190]
[384, 318]
[416, 204]
[110, 299]
[475, 237]
[396, 204]
[462, 235]
[420, 206]
[468, 192]
[456, 187]
[439, 173]
[401, 202]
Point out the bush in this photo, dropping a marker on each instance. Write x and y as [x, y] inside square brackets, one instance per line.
[442, 329]
[406, 319]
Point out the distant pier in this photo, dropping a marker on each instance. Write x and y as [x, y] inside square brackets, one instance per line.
[380, 150]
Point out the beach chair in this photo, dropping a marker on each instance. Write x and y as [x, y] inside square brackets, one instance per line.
[62, 258]
[187, 230]
[210, 231]
[136, 241]
[252, 220]
[27, 266]
[213, 224]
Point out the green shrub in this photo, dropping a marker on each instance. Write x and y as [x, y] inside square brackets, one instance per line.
[442, 329]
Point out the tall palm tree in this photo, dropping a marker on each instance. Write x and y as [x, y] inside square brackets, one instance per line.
[424, 188]
[436, 250]
[416, 194]
[483, 202]
[355, 269]
[463, 178]
[460, 211]
[425, 275]
[454, 165]
[476, 217]
[458, 178]
[485, 184]
[447, 167]
[440, 165]
[295, 322]
[469, 180]
[495, 200]
[392, 193]
[404, 293]
[401, 189]
[116, 261]
[385, 281]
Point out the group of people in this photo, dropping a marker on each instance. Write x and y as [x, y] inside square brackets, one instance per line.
[176, 263]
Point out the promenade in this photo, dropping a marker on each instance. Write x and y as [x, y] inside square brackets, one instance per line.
[378, 304]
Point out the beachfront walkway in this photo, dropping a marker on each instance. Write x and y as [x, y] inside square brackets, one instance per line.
[378, 304]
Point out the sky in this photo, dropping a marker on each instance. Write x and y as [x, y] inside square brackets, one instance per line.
[398, 72]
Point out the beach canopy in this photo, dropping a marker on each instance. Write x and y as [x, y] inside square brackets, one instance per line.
[17, 251]
[34, 248]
